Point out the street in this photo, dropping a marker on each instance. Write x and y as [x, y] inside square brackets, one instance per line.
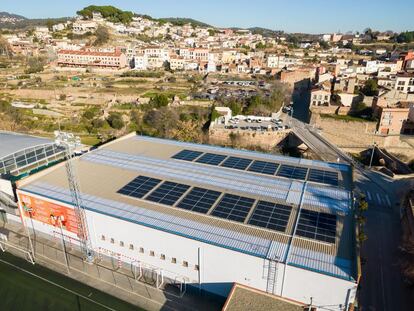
[381, 285]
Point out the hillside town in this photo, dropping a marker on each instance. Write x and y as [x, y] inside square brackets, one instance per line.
[336, 72]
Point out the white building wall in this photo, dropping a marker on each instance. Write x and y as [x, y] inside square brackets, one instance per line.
[219, 267]
[329, 292]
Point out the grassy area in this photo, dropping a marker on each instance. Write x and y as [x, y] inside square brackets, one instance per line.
[23, 291]
[169, 93]
[90, 140]
[344, 118]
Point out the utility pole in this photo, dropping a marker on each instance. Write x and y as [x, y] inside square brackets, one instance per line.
[59, 219]
[372, 154]
[311, 303]
[70, 142]
[29, 210]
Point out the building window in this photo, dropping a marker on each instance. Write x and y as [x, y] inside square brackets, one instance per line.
[112, 240]
[173, 260]
[121, 243]
[152, 253]
[185, 264]
[141, 249]
[131, 246]
[162, 256]
[102, 237]
[196, 267]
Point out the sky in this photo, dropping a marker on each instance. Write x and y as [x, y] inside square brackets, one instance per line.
[310, 16]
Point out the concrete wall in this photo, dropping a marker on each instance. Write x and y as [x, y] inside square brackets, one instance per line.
[245, 139]
[331, 109]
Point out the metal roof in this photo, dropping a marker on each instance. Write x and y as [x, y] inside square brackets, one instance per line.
[21, 153]
[104, 171]
[13, 142]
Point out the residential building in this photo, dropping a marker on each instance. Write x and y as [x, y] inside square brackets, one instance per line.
[405, 82]
[81, 27]
[87, 58]
[281, 61]
[320, 97]
[398, 120]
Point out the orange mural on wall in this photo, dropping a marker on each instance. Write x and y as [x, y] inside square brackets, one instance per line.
[48, 212]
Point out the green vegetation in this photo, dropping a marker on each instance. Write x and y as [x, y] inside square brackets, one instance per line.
[108, 12]
[405, 37]
[159, 100]
[370, 88]
[34, 65]
[260, 104]
[102, 36]
[178, 21]
[115, 120]
[142, 74]
[261, 46]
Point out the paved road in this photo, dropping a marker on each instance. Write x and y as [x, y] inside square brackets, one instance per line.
[382, 287]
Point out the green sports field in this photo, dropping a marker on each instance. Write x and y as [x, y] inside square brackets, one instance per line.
[22, 291]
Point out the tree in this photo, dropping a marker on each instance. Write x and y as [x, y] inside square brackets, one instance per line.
[185, 131]
[108, 12]
[115, 120]
[214, 114]
[167, 65]
[370, 88]
[160, 121]
[236, 107]
[35, 65]
[159, 100]
[324, 45]
[405, 37]
[102, 36]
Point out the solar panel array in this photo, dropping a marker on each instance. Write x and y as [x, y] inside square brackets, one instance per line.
[211, 158]
[262, 167]
[271, 216]
[237, 163]
[199, 200]
[324, 177]
[294, 172]
[168, 193]
[139, 187]
[233, 207]
[317, 225]
[187, 155]
[268, 215]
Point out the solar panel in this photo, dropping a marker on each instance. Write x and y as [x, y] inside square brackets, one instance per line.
[237, 163]
[187, 155]
[211, 158]
[199, 200]
[168, 193]
[264, 167]
[294, 172]
[324, 177]
[270, 215]
[317, 226]
[139, 186]
[233, 207]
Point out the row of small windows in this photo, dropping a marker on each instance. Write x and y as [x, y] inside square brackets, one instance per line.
[151, 253]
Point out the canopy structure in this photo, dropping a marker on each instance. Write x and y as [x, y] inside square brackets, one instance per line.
[21, 153]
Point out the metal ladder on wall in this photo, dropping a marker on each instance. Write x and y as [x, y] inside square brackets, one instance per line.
[271, 276]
